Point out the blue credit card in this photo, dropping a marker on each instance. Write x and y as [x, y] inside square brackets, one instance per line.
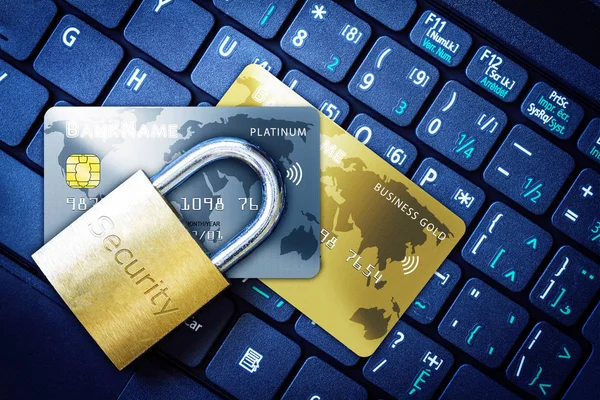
[88, 151]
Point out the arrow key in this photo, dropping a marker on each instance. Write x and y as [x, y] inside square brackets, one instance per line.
[544, 361]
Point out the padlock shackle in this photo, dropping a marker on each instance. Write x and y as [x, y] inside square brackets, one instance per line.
[273, 190]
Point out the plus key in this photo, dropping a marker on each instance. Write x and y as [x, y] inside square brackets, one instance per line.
[578, 215]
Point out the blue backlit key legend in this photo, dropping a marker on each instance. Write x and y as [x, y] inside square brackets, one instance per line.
[578, 215]
[440, 38]
[568, 285]
[507, 246]
[529, 169]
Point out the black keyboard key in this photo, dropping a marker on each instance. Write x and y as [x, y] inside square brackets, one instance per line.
[228, 54]
[452, 190]
[21, 101]
[394, 14]
[78, 59]
[169, 31]
[578, 214]
[440, 38]
[190, 341]
[143, 85]
[263, 17]
[407, 364]
[388, 145]
[544, 361]
[507, 247]
[552, 110]
[316, 335]
[584, 386]
[529, 169]
[333, 106]
[108, 12]
[156, 379]
[253, 361]
[393, 81]
[260, 296]
[435, 293]
[589, 142]
[461, 125]
[568, 285]
[22, 25]
[497, 74]
[318, 380]
[483, 323]
[469, 383]
[21, 197]
[327, 38]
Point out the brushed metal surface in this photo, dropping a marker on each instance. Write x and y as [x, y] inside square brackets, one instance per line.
[129, 270]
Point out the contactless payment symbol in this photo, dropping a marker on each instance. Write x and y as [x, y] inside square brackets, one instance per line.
[82, 171]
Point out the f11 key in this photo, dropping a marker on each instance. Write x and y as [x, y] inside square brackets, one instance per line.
[440, 38]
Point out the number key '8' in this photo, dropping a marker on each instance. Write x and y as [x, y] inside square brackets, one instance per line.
[300, 38]
[327, 38]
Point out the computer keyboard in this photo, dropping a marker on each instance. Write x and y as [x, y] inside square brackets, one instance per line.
[399, 90]
[452, 190]
[390, 146]
[529, 169]
[329, 103]
[316, 376]
[483, 323]
[430, 300]
[544, 361]
[190, 342]
[154, 29]
[513, 312]
[226, 56]
[413, 371]
[507, 247]
[581, 201]
[313, 333]
[140, 81]
[591, 369]
[252, 345]
[81, 70]
[497, 74]
[562, 292]
[453, 124]
[14, 83]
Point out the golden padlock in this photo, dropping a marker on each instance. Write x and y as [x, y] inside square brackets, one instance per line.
[128, 268]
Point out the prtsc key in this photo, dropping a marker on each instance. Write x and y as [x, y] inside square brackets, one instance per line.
[131, 272]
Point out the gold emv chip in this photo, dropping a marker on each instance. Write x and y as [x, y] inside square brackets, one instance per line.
[82, 171]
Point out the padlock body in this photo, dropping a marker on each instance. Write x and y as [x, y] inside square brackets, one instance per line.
[129, 270]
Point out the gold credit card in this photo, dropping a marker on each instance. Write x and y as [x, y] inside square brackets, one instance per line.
[382, 236]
